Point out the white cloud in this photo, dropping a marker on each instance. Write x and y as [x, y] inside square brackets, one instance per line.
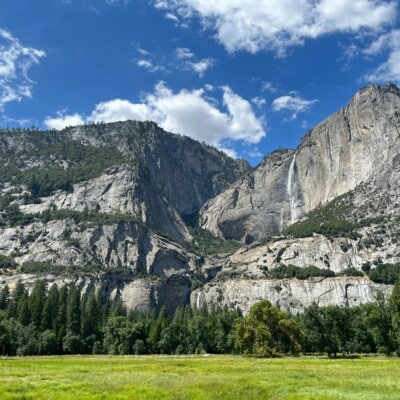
[390, 69]
[15, 63]
[148, 64]
[143, 52]
[293, 104]
[117, 2]
[186, 56]
[276, 25]
[202, 66]
[183, 53]
[189, 112]
[229, 152]
[259, 101]
[268, 87]
[119, 110]
[172, 17]
[62, 121]
[350, 52]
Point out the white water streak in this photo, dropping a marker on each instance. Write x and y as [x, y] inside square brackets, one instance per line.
[291, 192]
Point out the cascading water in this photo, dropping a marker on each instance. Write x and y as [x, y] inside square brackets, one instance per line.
[291, 192]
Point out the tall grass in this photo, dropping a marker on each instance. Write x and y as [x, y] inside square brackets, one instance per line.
[213, 377]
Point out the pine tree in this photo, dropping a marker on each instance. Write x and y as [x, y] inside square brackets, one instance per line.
[50, 310]
[74, 312]
[395, 307]
[23, 310]
[61, 322]
[91, 322]
[4, 297]
[17, 293]
[36, 302]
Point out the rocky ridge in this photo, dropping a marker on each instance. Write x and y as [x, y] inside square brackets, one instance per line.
[357, 145]
[122, 225]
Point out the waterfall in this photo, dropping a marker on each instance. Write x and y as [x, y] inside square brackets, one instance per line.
[291, 192]
[198, 300]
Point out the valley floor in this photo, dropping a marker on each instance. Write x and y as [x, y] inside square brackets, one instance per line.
[198, 377]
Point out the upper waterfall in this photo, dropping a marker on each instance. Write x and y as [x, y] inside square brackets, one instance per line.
[292, 197]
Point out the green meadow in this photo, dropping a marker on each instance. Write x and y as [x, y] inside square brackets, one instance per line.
[198, 377]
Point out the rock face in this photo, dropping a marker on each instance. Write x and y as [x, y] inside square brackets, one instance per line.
[108, 206]
[259, 204]
[359, 144]
[291, 295]
[125, 221]
[186, 172]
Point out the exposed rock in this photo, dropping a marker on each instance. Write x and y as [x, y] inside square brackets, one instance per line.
[291, 295]
[358, 144]
[129, 236]
[187, 172]
[335, 254]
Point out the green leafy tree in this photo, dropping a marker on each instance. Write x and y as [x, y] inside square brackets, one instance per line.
[47, 342]
[266, 331]
[72, 343]
[379, 321]
[395, 307]
[5, 338]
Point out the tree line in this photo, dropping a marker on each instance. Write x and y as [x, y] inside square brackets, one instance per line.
[57, 320]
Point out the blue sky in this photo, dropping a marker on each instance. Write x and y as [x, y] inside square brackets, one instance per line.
[247, 76]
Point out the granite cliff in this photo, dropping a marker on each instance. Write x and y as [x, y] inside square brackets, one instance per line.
[112, 207]
[357, 145]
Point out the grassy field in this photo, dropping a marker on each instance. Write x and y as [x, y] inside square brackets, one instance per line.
[212, 377]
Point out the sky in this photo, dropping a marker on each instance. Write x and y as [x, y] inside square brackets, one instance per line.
[246, 76]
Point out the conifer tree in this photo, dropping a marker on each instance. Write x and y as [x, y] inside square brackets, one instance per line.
[23, 310]
[4, 297]
[50, 310]
[395, 306]
[17, 293]
[36, 302]
[74, 311]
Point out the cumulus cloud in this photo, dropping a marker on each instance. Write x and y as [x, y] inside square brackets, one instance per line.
[294, 104]
[276, 25]
[15, 63]
[119, 110]
[390, 69]
[62, 121]
[189, 112]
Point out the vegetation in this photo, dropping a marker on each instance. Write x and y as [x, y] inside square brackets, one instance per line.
[205, 243]
[267, 332]
[383, 273]
[197, 378]
[291, 271]
[14, 217]
[65, 163]
[59, 321]
[6, 262]
[331, 220]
